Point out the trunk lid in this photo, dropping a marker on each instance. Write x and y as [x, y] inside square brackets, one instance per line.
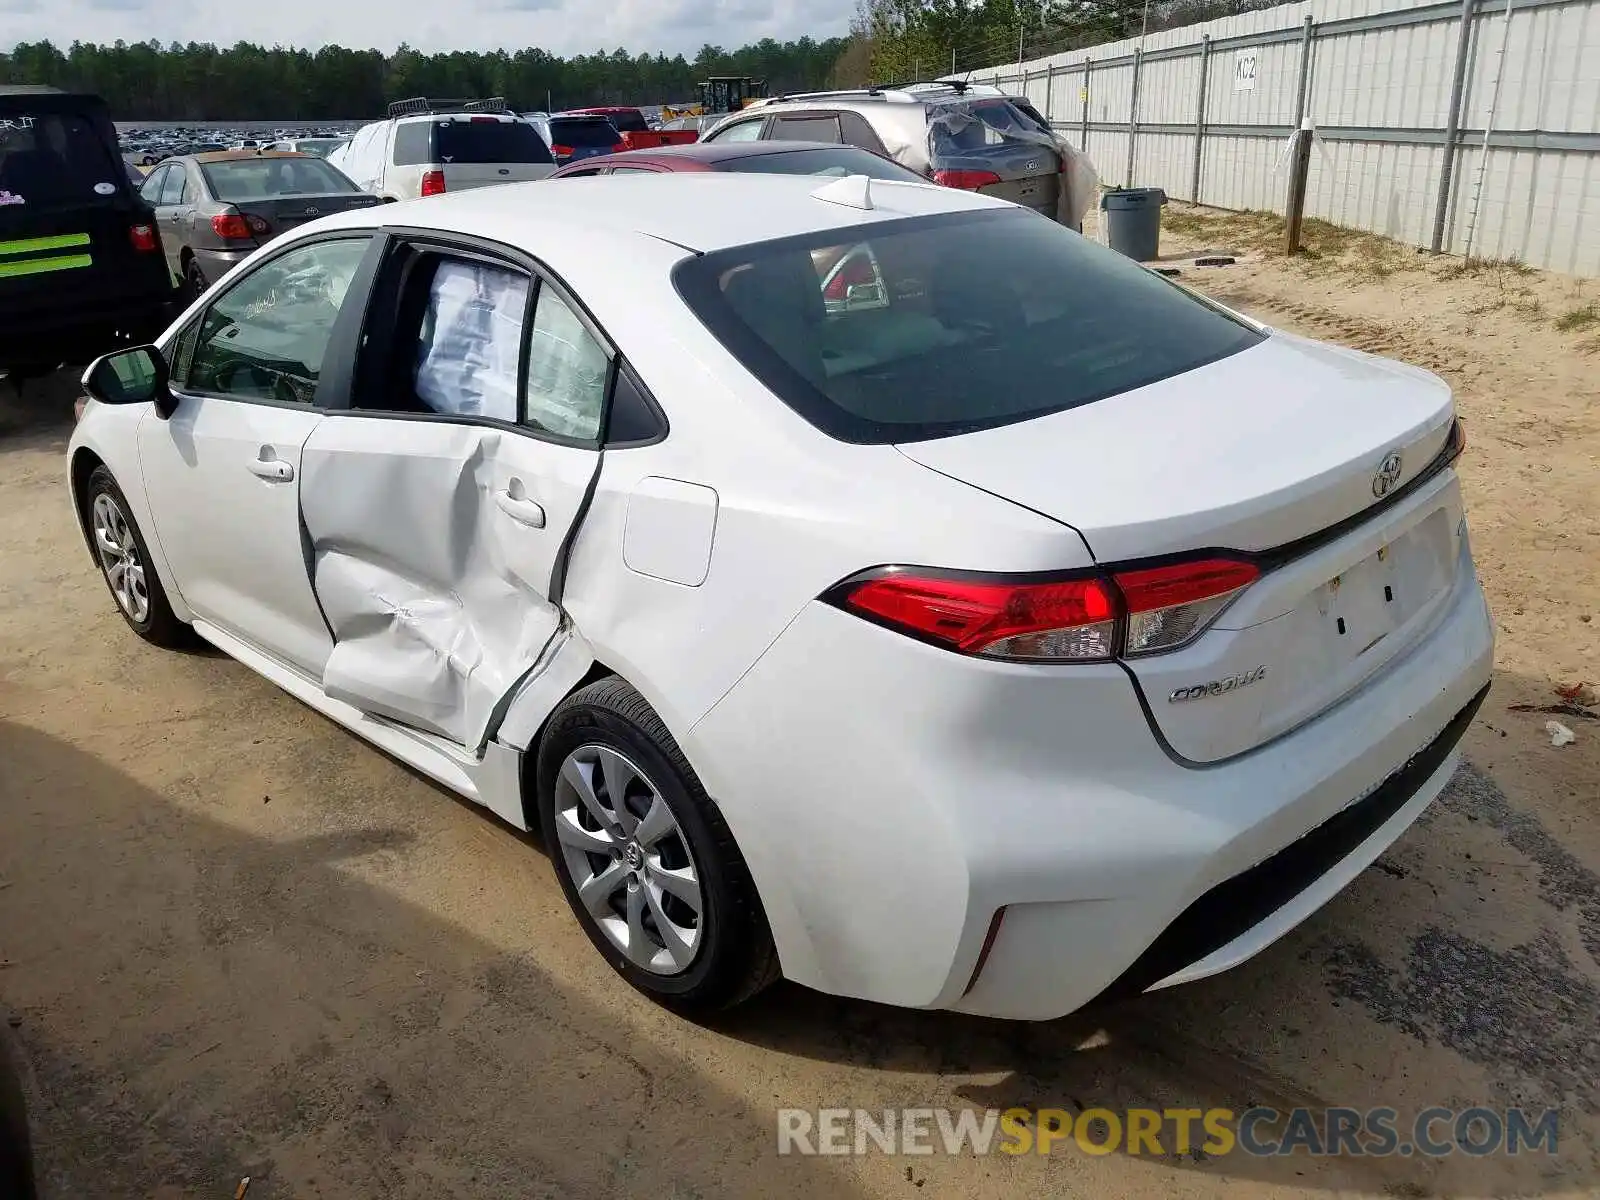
[282, 213]
[1276, 451]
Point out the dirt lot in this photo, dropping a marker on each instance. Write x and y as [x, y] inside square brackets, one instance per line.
[234, 941]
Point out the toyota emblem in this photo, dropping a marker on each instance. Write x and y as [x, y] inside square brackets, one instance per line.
[313, 211]
[1388, 474]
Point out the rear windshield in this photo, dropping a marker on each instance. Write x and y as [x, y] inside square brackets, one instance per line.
[828, 160]
[468, 140]
[583, 131]
[259, 178]
[942, 325]
[628, 121]
[53, 160]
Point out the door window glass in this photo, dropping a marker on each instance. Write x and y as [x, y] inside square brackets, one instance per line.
[151, 190]
[172, 186]
[806, 129]
[567, 371]
[744, 131]
[265, 337]
[471, 340]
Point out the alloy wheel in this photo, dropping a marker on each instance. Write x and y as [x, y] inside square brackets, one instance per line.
[629, 860]
[120, 559]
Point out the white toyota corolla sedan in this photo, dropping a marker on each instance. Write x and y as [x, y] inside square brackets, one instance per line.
[870, 583]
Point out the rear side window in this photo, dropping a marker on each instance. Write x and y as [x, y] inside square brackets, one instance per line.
[52, 160]
[413, 143]
[585, 132]
[936, 326]
[806, 129]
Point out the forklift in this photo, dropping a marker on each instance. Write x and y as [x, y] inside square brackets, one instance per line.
[730, 93]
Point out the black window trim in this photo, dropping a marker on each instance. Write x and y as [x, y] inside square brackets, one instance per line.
[493, 253]
[337, 360]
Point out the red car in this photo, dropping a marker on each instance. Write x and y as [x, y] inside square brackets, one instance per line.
[773, 158]
[636, 132]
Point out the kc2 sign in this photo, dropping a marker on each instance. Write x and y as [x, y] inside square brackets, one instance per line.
[1244, 71]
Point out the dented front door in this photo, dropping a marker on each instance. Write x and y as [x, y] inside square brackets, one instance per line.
[433, 544]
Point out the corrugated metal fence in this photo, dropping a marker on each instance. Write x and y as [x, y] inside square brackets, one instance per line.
[1401, 97]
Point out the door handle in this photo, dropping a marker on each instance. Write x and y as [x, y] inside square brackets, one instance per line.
[271, 468]
[521, 509]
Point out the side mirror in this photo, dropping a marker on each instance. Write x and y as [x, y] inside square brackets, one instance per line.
[136, 376]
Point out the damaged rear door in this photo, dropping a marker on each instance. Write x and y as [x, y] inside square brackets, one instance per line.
[439, 510]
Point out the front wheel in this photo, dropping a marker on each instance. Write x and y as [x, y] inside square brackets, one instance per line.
[644, 856]
[125, 564]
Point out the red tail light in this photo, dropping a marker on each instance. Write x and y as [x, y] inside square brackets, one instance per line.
[1090, 618]
[144, 238]
[1171, 606]
[560, 151]
[432, 183]
[1072, 619]
[231, 225]
[857, 271]
[967, 181]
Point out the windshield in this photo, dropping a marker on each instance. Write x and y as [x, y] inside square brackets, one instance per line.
[583, 131]
[259, 178]
[321, 147]
[936, 326]
[54, 160]
[829, 160]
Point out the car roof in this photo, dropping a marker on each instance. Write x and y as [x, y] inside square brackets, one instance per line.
[717, 151]
[699, 211]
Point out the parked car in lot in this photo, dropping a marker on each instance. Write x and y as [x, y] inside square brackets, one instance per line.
[773, 158]
[1017, 630]
[81, 267]
[634, 132]
[428, 147]
[215, 210]
[966, 136]
[317, 147]
[575, 136]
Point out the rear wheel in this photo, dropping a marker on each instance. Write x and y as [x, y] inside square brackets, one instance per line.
[194, 283]
[125, 564]
[644, 856]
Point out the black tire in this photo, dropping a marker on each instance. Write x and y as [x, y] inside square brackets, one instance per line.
[159, 625]
[194, 283]
[735, 957]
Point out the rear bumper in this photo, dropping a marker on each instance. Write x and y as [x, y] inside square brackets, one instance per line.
[87, 325]
[214, 264]
[890, 798]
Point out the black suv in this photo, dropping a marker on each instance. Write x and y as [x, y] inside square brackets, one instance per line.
[81, 267]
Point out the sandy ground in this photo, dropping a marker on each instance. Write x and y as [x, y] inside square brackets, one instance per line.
[235, 941]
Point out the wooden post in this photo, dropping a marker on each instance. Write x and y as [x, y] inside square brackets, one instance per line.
[1299, 167]
[1300, 157]
[1133, 115]
[1088, 65]
[1200, 117]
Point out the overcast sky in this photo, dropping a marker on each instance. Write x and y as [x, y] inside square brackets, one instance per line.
[561, 26]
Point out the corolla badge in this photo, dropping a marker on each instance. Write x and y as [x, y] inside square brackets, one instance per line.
[1388, 474]
[1218, 687]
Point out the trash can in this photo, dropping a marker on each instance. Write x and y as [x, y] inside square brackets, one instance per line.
[1133, 221]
